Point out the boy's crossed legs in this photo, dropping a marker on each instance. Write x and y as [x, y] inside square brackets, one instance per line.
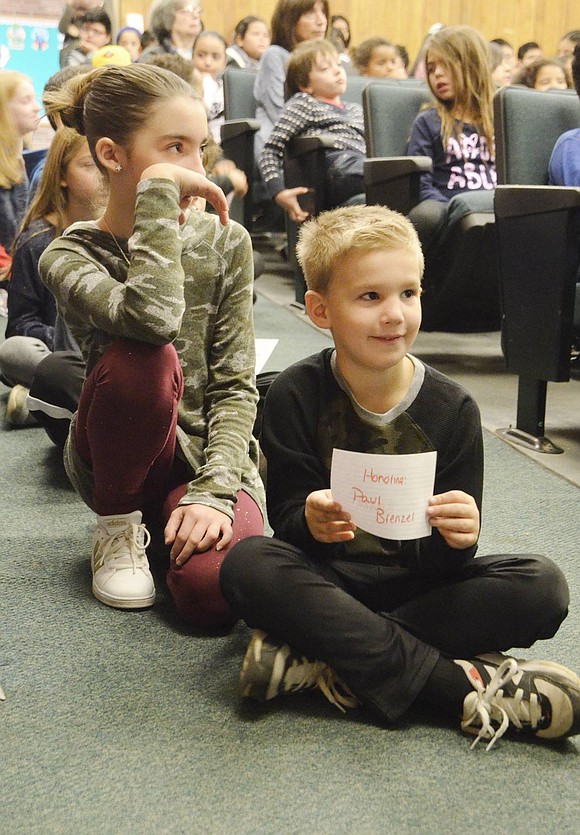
[391, 636]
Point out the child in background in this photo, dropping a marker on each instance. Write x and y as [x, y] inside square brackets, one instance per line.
[501, 71]
[528, 53]
[130, 38]
[251, 39]
[509, 53]
[95, 32]
[339, 35]
[375, 621]
[377, 58]
[18, 118]
[209, 57]
[160, 301]
[456, 133]
[544, 74]
[316, 79]
[293, 21]
[70, 190]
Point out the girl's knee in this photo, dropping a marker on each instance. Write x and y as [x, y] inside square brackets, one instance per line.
[142, 370]
[195, 588]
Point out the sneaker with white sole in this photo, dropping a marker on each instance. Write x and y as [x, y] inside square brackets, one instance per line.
[535, 697]
[17, 413]
[271, 669]
[121, 575]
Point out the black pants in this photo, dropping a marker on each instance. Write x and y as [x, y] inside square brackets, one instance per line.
[56, 387]
[383, 629]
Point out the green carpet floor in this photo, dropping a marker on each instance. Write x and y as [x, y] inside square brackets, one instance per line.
[121, 722]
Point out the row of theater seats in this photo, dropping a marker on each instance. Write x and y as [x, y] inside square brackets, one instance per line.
[516, 269]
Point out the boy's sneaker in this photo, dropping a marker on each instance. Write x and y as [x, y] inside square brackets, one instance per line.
[121, 575]
[17, 413]
[542, 699]
[271, 669]
[552, 668]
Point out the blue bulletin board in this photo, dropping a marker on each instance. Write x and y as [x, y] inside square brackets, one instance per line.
[30, 47]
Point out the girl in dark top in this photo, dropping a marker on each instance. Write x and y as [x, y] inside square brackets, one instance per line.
[457, 132]
[70, 190]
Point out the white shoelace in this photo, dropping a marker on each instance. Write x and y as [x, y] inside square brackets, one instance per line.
[137, 537]
[304, 674]
[491, 705]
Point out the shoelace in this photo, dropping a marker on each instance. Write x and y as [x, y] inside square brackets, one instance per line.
[304, 674]
[493, 705]
[138, 538]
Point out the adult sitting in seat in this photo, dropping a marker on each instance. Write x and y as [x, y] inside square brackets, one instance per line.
[176, 24]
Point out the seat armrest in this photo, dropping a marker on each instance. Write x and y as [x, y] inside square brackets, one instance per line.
[235, 128]
[303, 145]
[394, 181]
[519, 201]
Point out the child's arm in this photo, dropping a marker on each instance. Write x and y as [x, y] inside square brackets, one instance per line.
[294, 120]
[149, 304]
[326, 520]
[456, 516]
[218, 409]
[296, 474]
[454, 429]
[426, 142]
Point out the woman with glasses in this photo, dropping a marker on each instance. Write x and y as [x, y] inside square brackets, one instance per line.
[175, 24]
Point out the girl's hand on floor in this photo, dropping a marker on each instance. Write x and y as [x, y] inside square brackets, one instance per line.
[326, 520]
[456, 517]
[196, 527]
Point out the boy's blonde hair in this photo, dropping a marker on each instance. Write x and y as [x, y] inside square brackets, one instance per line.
[302, 60]
[325, 239]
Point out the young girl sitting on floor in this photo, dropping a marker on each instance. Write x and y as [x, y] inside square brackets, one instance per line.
[456, 133]
[70, 189]
[160, 301]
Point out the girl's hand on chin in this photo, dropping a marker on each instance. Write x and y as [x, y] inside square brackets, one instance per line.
[190, 184]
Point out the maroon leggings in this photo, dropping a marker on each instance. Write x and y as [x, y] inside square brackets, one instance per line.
[125, 430]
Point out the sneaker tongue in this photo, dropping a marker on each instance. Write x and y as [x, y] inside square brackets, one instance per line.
[117, 524]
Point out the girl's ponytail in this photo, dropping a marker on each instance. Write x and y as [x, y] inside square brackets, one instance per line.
[67, 104]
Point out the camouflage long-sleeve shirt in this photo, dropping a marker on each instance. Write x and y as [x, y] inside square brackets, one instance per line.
[190, 285]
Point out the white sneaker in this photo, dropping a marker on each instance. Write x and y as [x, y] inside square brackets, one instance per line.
[121, 575]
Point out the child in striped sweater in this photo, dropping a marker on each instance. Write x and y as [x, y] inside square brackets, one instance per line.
[316, 80]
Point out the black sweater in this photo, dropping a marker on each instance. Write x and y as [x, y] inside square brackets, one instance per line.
[307, 413]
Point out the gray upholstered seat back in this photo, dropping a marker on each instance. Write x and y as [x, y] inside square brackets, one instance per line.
[527, 125]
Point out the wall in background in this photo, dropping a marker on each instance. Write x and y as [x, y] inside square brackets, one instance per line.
[407, 21]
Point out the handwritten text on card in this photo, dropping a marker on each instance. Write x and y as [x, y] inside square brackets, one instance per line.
[386, 495]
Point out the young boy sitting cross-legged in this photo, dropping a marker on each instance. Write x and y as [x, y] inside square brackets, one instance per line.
[315, 78]
[377, 621]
